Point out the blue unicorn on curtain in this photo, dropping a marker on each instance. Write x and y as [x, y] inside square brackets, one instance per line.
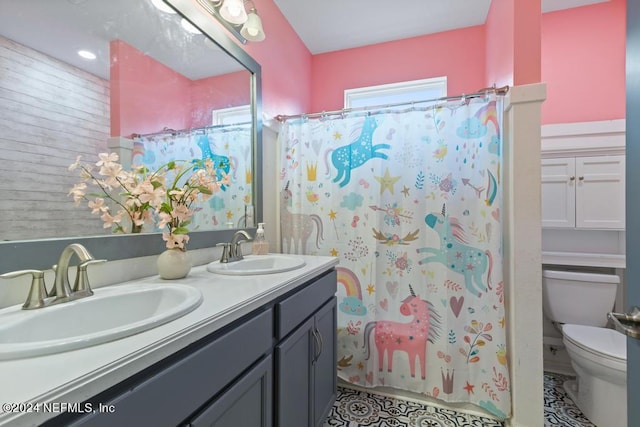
[358, 152]
[456, 254]
[220, 162]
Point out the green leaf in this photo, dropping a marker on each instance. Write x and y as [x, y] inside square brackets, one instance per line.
[165, 208]
[180, 230]
[204, 190]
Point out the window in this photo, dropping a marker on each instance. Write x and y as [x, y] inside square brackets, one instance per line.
[231, 115]
[416, 91]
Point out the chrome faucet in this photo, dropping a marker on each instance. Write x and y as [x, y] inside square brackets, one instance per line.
[61, 291]
[233, 251]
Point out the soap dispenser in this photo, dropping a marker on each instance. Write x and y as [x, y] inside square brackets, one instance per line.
[260, 244]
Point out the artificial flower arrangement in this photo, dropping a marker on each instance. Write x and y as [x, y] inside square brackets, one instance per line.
[139, 196]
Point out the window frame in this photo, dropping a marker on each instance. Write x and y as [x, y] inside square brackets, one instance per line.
[357, 95]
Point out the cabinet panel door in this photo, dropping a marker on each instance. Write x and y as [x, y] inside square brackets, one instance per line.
[294, 377]
[558, 192]
[600, 192]
[325, 364]
[247, 403]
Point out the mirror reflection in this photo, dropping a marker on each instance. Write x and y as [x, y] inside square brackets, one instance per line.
[157, 90]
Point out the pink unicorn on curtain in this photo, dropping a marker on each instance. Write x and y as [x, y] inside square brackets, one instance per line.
[409, 337]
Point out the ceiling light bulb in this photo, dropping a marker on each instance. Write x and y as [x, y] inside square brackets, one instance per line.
[159, 4]
[87, 54]
[233, 11]
[188, 26]
[252, 29]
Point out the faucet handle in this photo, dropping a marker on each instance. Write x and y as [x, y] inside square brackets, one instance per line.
[37, 292]
[81, 286]
[236, 251]
[226, 250]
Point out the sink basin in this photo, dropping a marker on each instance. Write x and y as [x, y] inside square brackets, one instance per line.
[111, 313]
[257, 264]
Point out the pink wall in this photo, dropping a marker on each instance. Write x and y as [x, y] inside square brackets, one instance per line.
[513, 42]
[146, 96]
[228, 90]
[583, 63]
[459, 55]
[499, 43]
[286, 64]
[527, 48]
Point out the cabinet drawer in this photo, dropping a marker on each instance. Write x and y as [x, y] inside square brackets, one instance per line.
[294, 310]
[169, 396]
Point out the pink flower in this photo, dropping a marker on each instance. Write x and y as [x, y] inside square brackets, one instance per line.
[106, 159]
[78, 191]
[110, 220]
[76, 164]
[97, 205]
[181, 212]
[175, 240]
[402, 262]
[165, 219]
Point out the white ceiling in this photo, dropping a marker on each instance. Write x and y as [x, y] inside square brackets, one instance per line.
[330, 25]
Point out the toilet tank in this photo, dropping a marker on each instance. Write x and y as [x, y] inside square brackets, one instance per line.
[577, 297]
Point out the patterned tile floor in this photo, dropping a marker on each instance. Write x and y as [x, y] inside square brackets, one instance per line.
[355, 409]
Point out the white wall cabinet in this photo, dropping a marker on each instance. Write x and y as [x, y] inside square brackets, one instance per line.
[584, 192]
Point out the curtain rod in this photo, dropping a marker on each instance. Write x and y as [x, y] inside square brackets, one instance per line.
[173, 132]
[497, 90]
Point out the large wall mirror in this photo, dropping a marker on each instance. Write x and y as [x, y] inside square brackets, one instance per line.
[166, 83]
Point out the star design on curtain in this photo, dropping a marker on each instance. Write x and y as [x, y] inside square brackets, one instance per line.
[469, 388]
[386, 181]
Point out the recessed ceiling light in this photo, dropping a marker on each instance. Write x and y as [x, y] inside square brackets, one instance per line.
[189, 27]
[87, 54]
[159, 4]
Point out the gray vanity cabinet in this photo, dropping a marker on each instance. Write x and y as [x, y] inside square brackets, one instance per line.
[306, 363]
[306, 355]
[274, 367]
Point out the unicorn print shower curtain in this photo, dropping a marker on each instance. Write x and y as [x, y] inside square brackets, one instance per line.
[409, 201]
[229, 146]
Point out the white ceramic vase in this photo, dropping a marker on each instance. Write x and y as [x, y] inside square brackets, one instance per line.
[174, 264]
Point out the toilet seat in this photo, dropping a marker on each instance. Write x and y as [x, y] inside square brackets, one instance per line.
[602, 343]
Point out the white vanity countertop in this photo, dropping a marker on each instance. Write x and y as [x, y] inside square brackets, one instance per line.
[74, 376]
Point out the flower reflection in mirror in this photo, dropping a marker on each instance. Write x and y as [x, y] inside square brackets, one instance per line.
[129, 199]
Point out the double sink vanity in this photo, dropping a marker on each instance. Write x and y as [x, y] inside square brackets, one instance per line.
[248, 343]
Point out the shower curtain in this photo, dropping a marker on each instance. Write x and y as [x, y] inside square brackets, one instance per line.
[227, 145]
[410, 203]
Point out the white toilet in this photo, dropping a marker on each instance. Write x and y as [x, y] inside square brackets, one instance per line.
[580, 302]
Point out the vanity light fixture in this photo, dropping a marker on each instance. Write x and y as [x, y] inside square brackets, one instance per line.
[252, 29]
[233, 15]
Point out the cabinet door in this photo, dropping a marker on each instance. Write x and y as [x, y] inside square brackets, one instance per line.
[294, 377]
[600, 192]
[558, 193]
[325, 362]
[247, 403]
